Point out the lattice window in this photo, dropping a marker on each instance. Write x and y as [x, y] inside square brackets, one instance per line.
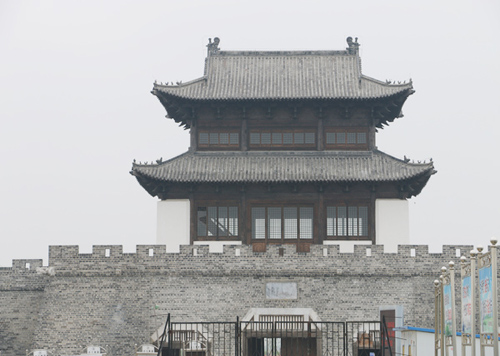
[346, 221]
[346, 138]
[278, 138]
[218, 139]
[259, 223]
[217, 221]
[282, 222]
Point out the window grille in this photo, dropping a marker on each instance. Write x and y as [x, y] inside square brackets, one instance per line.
[277, 138]
[233, 221]
[330, 137]
[203, 138]
[214, 138]
[288, 222]
[347, 221]
[213, 221]
[223, 221]
[298, 137]
[255, 138]
[218, 139]
[259, 223]
[306, 218]
[309, 137]
[224, 138]
[346, 138]
[202, 218]
[361, 137]
[265, 138]
[274, 222]
[288, 138]
[280, 138]
[234, 138]
[290, 216]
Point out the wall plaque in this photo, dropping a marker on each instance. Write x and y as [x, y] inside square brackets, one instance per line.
[278, 290]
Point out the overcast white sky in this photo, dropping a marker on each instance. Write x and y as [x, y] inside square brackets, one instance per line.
[76, 108]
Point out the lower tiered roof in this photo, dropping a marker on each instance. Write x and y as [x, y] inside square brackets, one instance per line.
[278, 167]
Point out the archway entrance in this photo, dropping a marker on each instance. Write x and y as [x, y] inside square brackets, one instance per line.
[280, 332]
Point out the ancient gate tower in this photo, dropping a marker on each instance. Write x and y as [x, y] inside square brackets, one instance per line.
[283, 151]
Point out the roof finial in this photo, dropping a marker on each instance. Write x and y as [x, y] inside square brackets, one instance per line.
[213, 47]
[353, 46]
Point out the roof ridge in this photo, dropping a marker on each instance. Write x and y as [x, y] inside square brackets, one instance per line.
[159, 162]
[178, 84]
[388, 83]
[407, 160]
[283, 53]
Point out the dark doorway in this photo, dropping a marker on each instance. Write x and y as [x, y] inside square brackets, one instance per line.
[281, 346]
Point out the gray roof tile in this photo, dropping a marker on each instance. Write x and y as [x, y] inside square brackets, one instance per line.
[282, 167]
[283, 75]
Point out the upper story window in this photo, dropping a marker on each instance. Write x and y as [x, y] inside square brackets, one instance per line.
[217, 221]
[346, 221]
[346, 138]
[226, 139]
[282, 138]
[276, 223]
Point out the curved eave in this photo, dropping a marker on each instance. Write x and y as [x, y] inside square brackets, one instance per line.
[198, 90]
[282, 168]
[180, 108]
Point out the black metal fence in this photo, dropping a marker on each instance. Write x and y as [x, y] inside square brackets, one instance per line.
[274, 337]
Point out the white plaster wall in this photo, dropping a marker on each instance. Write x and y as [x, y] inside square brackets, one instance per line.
[173, 222]
[392, 223]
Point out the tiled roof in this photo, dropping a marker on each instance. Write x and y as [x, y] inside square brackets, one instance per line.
[283, 167]
[282, 75]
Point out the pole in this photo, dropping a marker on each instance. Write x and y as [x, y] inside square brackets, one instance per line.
[494, 274]
[453, 311]
[444, 349]
[437, 318]
[473, 256]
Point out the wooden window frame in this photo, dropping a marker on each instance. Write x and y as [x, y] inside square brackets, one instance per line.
[218, 146]
[282, 239]
[354, 204]
[217, 205]
[282, 145]
[346, 146]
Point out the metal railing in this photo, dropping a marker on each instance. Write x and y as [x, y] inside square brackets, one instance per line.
[274, 337]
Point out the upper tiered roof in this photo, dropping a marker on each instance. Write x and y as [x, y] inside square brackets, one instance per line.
[285, 75]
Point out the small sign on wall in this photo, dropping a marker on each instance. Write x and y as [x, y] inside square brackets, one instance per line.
[281, 290]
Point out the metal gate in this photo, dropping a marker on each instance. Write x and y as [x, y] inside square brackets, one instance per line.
[273, 337]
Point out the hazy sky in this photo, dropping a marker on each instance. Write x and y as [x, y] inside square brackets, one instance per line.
[76, 108]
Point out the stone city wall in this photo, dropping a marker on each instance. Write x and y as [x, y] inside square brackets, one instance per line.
[120, 299]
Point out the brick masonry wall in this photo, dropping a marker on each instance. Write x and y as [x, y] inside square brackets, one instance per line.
[21, 298]
[93, 299]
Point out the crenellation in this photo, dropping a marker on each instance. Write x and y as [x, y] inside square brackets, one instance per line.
[109, 257]
[144, 251]
[185, 250]
[62, 251]
[26, 265]
[360, 250]
[231, 250]
[107, 250]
